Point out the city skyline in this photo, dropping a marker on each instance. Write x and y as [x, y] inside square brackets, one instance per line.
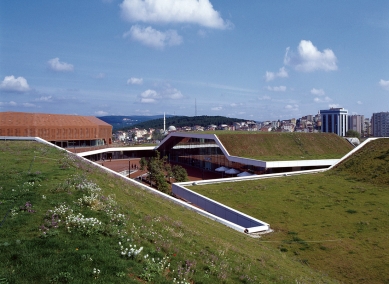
[261, 61]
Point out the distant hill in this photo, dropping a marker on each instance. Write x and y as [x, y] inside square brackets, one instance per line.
[120, 121]
[181, 121]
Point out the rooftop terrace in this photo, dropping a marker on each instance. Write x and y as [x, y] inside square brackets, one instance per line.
[284, 146]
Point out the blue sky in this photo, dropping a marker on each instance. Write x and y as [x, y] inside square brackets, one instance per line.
[259, 60]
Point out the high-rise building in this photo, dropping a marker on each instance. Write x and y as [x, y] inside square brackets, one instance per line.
[380, 124]
[357, 123]
[367, 127]
[334, 120]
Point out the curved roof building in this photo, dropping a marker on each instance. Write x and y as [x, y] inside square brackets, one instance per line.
[60, 129]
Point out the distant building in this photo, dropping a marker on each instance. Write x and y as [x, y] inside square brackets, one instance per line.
[287, 127]
[356, 123]
[120, 135]
[266, 129]
[197, 128]
[367, 127]
[275, 124]
[172, 128]
[223, 127]
[334, 120]
[211, 127]
[380, 124]
[66, 131]
[138, 133]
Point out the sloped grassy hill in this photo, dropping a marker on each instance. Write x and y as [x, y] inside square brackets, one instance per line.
[370, 164]
[65, 221]
[336, 222]
[285, 146]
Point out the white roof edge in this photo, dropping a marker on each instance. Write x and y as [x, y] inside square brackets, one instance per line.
[117, 149]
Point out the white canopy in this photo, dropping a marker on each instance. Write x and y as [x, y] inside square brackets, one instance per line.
[232, 172]
[221, 169]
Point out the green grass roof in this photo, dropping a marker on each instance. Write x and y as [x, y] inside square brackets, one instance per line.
[335, 222]
[284, 146]
[36, 248]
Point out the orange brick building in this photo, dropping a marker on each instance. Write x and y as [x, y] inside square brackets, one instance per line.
[66, 131]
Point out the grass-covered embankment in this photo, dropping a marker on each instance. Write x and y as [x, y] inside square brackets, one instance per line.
[66, 221]
[285, 146]
[335, 222]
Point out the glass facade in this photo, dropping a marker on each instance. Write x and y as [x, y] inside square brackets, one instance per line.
[205, 154]
[197, 152]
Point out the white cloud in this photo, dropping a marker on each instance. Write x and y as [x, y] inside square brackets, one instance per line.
[310, 59]
[165, 92]
[152, 37]
[100, 76]
[334, 106]
[264, 98]
[55, 65]
[270, 76]
[277, 89]
[282, 73]
[324, 100]
[317, 92]
[149, 96]
[12, 84]
[384, 84]
[202, 33]
[135, 81]
[101, 113]
[44, 99]
[172, 93]
[217, 108]
[236, 105]
[359, 102]
[143, 111]
[28, 105]
[199, 12]
[292, 107]
[11, 103]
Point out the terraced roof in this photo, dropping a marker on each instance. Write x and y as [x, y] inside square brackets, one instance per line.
[284, 146]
